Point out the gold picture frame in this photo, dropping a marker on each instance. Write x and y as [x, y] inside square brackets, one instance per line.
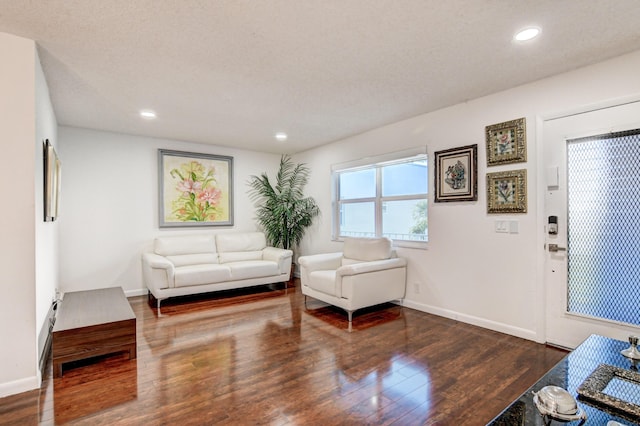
[506, 142]
[507, 192]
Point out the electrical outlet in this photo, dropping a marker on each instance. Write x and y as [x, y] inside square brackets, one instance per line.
[416, 288]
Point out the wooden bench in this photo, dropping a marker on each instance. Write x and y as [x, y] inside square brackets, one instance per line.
[92, 323]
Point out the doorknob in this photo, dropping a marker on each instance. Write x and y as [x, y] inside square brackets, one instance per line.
[554, 248]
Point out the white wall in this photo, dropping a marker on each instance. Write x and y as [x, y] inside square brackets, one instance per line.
[18, 362]
[46, 260]
[469, 272]
[108, 210]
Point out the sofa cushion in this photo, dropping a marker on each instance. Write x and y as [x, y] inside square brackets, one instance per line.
[245, 241]
[239, 256]
[365, 250]
[190, 244]
[252, 269]
[193, 259]
[201, 274]
[323, 281]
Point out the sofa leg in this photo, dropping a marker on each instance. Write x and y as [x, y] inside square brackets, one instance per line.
[350, 314]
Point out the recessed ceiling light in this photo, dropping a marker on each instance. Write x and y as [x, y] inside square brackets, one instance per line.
[527, 34]
[147, 114]
[281, 136]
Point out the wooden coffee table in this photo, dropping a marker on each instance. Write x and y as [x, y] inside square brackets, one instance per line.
[91, 323]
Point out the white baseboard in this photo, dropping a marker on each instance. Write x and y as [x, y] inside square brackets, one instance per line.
[469, 319]
[137, 292]
[19, 386]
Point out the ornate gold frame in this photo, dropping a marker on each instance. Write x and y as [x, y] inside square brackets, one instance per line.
[507, 192]
[506, 142]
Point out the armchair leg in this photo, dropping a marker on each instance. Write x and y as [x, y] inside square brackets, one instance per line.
[159, 313]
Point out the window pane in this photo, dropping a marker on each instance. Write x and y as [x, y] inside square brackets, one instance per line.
[358, 184]
[357, 220]
[404, 179]
[604, 226]
[405, 220]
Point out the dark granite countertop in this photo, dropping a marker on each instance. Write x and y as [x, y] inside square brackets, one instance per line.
[569, 374]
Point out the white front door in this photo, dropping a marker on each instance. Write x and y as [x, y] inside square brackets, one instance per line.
[580, 189]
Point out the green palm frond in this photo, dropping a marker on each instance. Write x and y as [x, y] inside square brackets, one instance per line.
[283, 212]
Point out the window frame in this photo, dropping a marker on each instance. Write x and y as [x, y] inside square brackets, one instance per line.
[378, 163]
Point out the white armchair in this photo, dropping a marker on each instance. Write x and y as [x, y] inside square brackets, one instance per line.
[366, 273]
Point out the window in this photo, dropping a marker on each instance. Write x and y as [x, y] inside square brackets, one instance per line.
[383, 198]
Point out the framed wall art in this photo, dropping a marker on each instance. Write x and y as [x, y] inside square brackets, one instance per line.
[506, 142]
[456, 174]
[507, 192]
[52, 171]
[194, 189]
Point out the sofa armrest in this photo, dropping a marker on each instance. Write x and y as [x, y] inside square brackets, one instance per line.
[275, 254]
[156, 261]
[281, 256]
[157, 271]
[320, 262]
[374, 266]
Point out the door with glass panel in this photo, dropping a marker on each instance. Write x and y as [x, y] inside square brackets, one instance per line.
[591, 169]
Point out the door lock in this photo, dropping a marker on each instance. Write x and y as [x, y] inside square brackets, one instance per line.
[554, 248]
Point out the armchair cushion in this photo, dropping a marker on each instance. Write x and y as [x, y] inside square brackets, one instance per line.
[366, 250]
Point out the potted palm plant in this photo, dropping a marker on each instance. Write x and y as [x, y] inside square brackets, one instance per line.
[282, 211]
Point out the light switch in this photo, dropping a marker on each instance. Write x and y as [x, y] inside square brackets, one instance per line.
[502, 226]
[552, 177]
[514, 226]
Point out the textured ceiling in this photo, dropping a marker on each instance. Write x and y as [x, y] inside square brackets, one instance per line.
[233, 72]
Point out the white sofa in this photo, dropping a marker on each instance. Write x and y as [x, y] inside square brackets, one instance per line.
[204, 263]
[366, 273]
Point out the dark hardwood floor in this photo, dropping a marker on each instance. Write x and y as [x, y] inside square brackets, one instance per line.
[258, 356]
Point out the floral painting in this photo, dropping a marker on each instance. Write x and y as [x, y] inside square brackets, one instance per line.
[195, 189]
[506, 142]
[456, 174]
[507, 192]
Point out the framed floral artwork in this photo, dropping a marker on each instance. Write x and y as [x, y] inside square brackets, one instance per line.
[456, 174]
[506, 142]
[194, 189]
[507, 192]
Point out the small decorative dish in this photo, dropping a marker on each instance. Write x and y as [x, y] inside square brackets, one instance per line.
[557, 403]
